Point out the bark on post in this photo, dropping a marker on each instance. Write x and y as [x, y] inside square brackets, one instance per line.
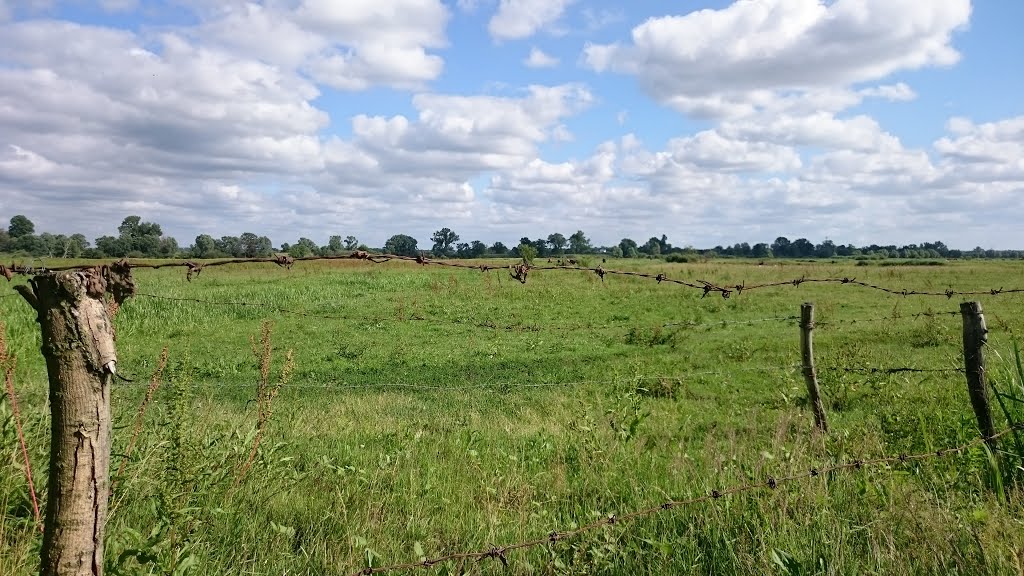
[975, 337]
[78, 344]
[810, 375]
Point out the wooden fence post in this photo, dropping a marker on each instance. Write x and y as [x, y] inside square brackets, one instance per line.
[807, 355]
[975, 337]
[78, 344]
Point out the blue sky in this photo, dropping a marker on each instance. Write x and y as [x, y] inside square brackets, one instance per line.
[889, 121]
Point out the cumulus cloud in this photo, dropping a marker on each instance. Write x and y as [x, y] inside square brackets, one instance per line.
[539, 59]
[721, 63]
[343, 45]
[516, 19]
[213, 128]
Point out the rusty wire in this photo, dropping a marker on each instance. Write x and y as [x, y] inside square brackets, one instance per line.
[771, 483]
[517, 271]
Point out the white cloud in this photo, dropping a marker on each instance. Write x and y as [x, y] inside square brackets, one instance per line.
[349, 46]
[899, 92]
[721, 63]
[538, 59]
[517, 19]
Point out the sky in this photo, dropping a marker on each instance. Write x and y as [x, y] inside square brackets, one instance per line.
[713, 122]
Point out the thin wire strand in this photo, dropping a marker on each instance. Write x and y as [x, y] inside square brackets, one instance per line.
[770, 483]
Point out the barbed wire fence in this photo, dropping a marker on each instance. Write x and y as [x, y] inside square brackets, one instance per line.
[519, 272]
[770, 483]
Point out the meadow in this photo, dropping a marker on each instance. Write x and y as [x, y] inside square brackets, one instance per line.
[407, 412]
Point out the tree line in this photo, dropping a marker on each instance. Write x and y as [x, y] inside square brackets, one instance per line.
[138, 239]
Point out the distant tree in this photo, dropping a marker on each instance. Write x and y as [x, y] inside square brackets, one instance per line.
[616, 251]
[462, 250]
[499, 249]
[204, 247]
[168, 247]
[664, 245]
[801, 248]
[334, 246]
[232, 246]
[138, 238]
[826, 249]
[477, 249]
[761, 250]
[625, 244]
[304, 247]
[780, 248]
[541, 246]
[252, 246]
[443, 241]
[557, 243]
[579, 243]
[75, 246]
[5, 240]
[401, 245]
[20, 226]
[653, 247]
[527, 252]
[351, 243]
[109, 246]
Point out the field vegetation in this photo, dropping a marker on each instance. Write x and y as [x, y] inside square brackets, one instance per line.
[343, 415]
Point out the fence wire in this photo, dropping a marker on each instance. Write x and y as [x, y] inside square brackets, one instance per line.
[519, 272]
[770, 483]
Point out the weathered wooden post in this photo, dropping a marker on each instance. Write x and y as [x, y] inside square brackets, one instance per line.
[78, 344]
[810, 375]
[975, 337]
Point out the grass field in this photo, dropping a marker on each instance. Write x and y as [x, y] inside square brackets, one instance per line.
[442, 411]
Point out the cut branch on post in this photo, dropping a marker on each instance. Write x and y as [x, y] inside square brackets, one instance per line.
[810, 375]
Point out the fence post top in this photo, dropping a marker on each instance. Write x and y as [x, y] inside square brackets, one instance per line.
[970, 307]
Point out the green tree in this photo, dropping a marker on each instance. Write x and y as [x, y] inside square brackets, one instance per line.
[627, 245]
[781, 247]
[462, 250]
[20, 226]
[579, 243]
[443, 241]
[334, 245]
[140, 238]
[230, 245]
[652, 247]
[401, 245]
[527, 252]
[205, 246]
[252, 246]
[761, 250]
[351, 243]
[499, 249]
[558, 243]
[541, 246]
[304, 247]
[477, 249]
[110, 246]
[5, 240]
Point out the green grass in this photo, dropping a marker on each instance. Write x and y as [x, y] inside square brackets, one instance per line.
[446, 410]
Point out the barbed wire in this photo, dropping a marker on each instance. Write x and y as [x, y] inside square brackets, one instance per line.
[492, 385]
[518, 271]
[770, 483]
[872, 370]
[515, 326]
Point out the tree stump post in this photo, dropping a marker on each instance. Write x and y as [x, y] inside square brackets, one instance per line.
[81, 361]
[810, 374]
[975, 337]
